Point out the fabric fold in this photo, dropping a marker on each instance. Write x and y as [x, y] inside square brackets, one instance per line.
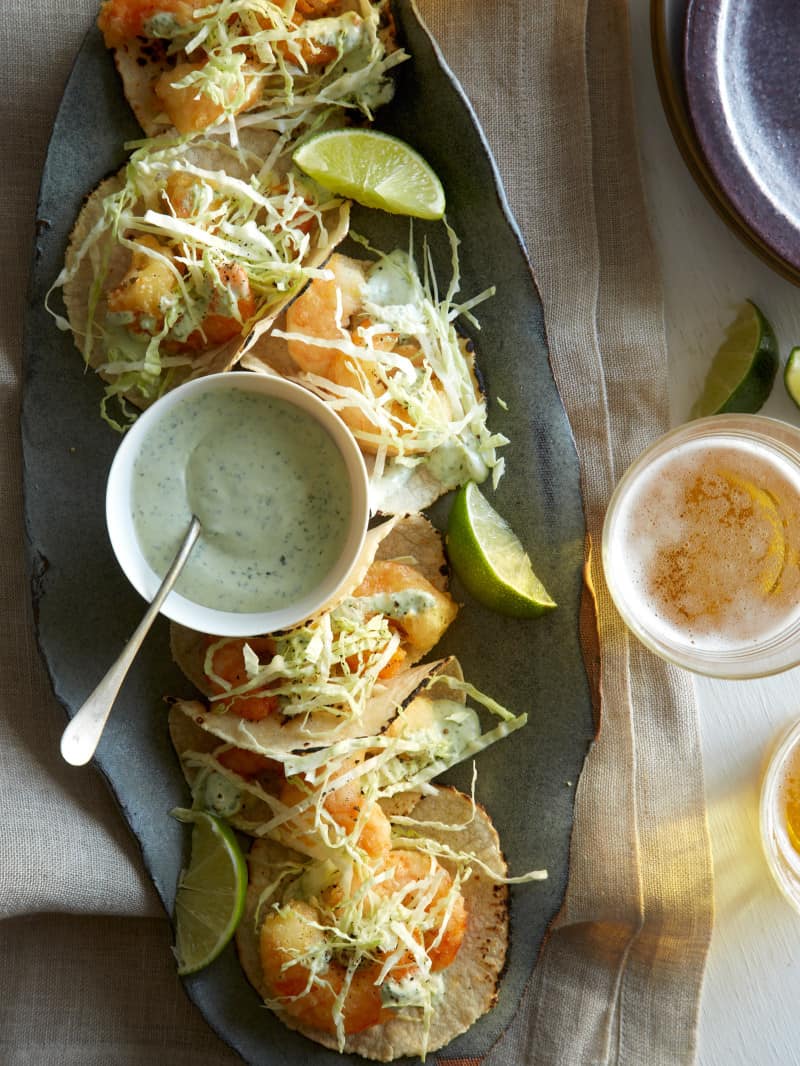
[619, 976]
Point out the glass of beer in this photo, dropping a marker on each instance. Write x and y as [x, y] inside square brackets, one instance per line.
[780, 814]
[701, 546]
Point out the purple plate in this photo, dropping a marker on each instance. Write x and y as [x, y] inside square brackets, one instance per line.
[740, 76]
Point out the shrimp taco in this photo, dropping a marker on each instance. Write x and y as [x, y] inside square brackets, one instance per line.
[191, 64]
[375, 340]
[188, 254]
[385, 954]
[427, 729]
[342, 673]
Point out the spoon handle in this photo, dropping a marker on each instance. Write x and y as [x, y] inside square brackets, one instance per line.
[81, 737]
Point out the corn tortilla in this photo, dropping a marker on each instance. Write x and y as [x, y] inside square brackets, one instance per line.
[470, 982]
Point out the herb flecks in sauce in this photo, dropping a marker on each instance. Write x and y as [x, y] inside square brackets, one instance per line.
[269, 486]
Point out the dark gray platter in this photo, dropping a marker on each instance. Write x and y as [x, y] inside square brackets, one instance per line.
[85, 609]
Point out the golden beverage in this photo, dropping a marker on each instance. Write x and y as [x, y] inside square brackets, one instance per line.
[780, 815]
[701, 546]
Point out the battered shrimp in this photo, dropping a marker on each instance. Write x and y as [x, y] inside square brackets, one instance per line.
[150, 277]
[288, 935]
[318, 8]
[323, 312]
[421, 619]
[332, 309]
[414, 608]
[228, 664]
[349, 811]
[306, 955]
[190, 111]
[121, 21]
[413, 874]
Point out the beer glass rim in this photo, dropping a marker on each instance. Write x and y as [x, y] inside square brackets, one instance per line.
[782, 859]
[776, 653]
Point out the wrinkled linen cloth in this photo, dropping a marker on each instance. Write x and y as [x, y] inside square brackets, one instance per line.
[87, 976]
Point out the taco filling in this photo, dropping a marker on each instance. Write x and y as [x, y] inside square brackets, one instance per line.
[191, 64]
[390, 951]
[177, 260]
[333, 662]
[295, 795]
[376, 341]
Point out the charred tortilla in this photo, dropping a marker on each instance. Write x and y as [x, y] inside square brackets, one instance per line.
[470, 982]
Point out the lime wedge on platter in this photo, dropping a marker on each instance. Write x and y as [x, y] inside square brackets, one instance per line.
[742, 372]
[211, 891]
[375, 170]
[490, 560]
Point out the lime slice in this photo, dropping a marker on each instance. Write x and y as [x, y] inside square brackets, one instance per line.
[791, 375]
[375, 169]
[490, 560]
[744, 368]
[211, 892]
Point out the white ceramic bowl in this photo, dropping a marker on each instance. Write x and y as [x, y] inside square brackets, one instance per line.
[124, 540]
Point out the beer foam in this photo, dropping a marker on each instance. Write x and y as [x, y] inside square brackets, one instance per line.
[705, 545]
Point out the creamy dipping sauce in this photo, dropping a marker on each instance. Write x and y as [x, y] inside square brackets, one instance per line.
[269, 486]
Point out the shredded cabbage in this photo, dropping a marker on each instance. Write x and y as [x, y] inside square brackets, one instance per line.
[420, 403]
[255, 54]
[366, 912]
[425, 739]
[331, 664]
[218, 241]
[369, 917]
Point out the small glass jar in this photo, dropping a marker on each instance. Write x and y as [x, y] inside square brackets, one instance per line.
[780, 815]
[701, 546]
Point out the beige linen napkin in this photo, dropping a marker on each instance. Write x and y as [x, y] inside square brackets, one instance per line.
[618, 981]
[619, 977]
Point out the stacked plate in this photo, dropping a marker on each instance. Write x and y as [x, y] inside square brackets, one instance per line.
[727, 74]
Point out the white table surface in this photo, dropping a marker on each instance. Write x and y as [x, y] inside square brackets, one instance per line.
[749, 1012]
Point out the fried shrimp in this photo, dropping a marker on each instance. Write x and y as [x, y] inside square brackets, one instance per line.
[228, 665]
[392, 619]
[190, 111]
[150, 278]
[288, 936]
[121, 21]
[418, 610]
[368, 362]
[338, 961]
[343, 817]
[192, 64]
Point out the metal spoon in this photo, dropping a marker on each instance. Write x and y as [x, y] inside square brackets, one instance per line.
[82, 735]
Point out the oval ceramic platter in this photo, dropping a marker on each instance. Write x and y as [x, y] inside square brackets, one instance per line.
[85, 609]
[739, 70]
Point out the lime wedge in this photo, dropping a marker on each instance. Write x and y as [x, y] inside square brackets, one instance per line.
[490, 560]
[374, 169]
[791, 375]
[211, 892]
[744, 368]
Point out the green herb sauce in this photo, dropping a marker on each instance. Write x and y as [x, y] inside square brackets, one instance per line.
[269, 486]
